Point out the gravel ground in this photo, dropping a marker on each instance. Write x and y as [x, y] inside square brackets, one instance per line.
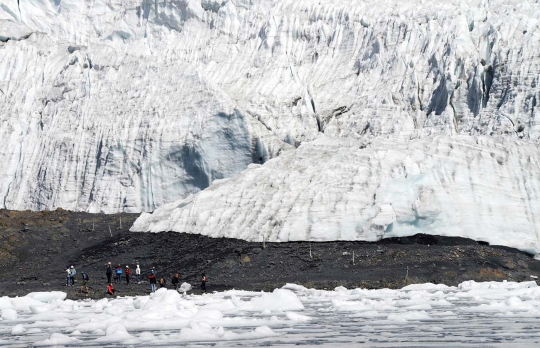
[36, 247]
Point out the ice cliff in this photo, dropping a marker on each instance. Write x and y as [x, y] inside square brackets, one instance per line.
[339, 189]
[365, 119]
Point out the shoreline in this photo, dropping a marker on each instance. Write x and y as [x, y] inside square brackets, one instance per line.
[37, 246]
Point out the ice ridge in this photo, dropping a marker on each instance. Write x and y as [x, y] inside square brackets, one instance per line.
[127, 105]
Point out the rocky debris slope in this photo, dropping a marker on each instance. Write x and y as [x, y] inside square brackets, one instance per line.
[125, 105]
[41, 244]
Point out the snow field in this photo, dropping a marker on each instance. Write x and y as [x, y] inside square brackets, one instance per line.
[421, 314]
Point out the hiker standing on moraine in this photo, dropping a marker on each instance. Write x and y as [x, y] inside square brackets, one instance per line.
[118, 274]
[203, 282]
[152, 279]
[68, 280]
[85, 279]
[175, 281]
[138, 274]
[128, 272]
[109, 273]
[73, 272]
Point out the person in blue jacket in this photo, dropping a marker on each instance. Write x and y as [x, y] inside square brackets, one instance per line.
[118, 274]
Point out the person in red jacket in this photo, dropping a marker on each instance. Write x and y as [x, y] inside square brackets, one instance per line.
[152, 280]
[110, 289]
[128, 272]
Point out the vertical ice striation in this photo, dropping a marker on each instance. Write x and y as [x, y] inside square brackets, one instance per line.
[93, 117]
[484, 188]
[127, 105]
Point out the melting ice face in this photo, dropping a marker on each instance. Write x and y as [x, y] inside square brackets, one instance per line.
[470, 314]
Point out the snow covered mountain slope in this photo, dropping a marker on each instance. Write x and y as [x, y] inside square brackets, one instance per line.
[120, 105]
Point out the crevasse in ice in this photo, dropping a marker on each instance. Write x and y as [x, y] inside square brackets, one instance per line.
[371, 118]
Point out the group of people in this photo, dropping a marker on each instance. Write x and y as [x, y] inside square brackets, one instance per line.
[70, 281]
[118, 272]
[152, 278]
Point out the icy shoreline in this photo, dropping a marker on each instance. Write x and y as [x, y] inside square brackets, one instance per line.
[43, 242]
[422, 314]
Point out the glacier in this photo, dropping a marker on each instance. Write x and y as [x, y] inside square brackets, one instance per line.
[339, 189]
[277, 120]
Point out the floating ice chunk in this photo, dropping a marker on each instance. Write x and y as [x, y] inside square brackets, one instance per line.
[40, 309]
[297, 317]
[209, 314]
[433, 328]
[94, 325]
[159, 293]
[418, 307]
[186, 304]
[264, 331]
[76, 333]
[221, 305]
[143, 337]
[369, 314]
[161, 306]
[5, 302]
[280, 299]
[295, 287]
[406, 316]
[140, 301]
[513, 301]
[47, 296]
[23, 303]
[114, 310]
[99, 305]
[171, 297]
[56, 339]
[115, 332]
[200, 330]
[17, 330]
[146, 336]
[185, 287]
[441, 303]
[9, 314]
[33, 330]
[425, 286]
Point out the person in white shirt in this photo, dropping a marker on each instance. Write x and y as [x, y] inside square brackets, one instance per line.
[68, 281]
[138, 274]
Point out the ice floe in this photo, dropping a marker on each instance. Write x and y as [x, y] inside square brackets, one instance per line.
[421, 314]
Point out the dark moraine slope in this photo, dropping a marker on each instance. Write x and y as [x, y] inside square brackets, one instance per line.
[35, 247]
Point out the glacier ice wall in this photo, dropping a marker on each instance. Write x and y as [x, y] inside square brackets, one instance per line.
[91, 120]
[485, 188]
[127, 105]
[413, 117]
